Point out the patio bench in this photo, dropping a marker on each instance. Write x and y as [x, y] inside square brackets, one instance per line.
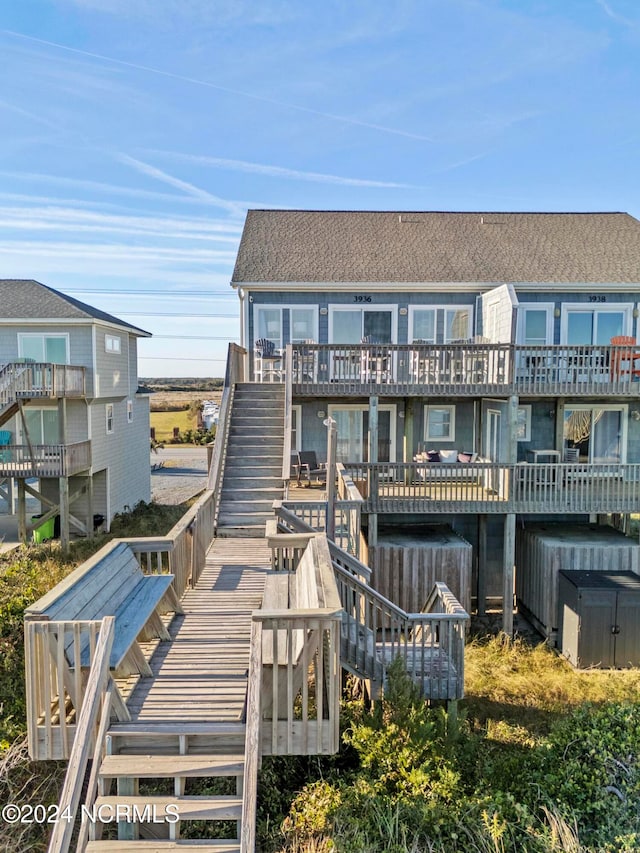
[111, 584]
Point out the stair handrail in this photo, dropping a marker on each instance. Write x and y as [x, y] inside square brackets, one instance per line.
[96, 699]
[288, 398]
[252, 745]
[234, 373]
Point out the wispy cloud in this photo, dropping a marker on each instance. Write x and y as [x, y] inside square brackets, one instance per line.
[187, 188]
[282, 172]
[350, 120]
[616, 16]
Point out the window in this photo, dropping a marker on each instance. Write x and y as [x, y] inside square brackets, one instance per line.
[523, 423]
[597, 432]
[302, 325]
[439, 423]
[582, 324]
[112, 343]
[130, 411]
[352, 424]
[440, 325]
[109, 417]
[535, 324]
[42, 426]
[351, 325]
[52, 349]
[270, 324]
[296, 428]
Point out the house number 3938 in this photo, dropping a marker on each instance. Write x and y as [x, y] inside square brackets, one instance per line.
[597, 299]
[362, 299]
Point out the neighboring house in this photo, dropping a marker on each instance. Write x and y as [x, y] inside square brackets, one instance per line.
[493, 339]
[70, 403]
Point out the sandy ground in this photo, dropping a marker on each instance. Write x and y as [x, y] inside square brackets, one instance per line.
[183, 473]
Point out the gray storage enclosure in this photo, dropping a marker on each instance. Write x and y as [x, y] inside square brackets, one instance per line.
[544, 550]
[599, 618]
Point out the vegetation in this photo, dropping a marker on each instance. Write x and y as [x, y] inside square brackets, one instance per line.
[544, 759]
[26, 574]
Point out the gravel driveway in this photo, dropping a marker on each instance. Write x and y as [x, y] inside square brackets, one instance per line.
[181, 474]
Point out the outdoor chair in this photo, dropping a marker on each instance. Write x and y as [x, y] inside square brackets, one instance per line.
[623, 362]
[268, 361]
[309, 469]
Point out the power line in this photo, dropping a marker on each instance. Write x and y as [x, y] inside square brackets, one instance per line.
[209, 294]
[177, 358]
[198, 337]
[174, 314]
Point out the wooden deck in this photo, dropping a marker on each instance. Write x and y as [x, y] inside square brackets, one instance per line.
[201, 675]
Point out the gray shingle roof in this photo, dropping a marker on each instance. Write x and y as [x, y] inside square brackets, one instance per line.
[26, 299]
[362, 246]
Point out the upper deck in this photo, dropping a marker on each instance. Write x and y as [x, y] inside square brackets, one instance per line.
[463, 370]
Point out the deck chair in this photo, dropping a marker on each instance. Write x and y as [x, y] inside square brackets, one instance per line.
[268, 360]
[309, 469]
[5, 440]
[623, 362]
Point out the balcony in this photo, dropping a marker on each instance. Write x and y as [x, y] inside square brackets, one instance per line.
[44, 460]
[495, 488]
[462, 369]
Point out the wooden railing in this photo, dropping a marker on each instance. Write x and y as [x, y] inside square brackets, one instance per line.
[35, 379]
[93, 720]
[44, 460]
[234, 373]
[300, 630]
[348, 532]
[252, 745]
[375, 631]
[462, 369]
[430, 644]
[391, 487]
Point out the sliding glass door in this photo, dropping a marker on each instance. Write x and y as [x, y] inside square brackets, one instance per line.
[598, 433]
[353, 432]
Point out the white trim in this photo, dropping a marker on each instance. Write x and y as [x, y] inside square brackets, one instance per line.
[625, 308]
[129, 411]
[363, 407]
[359, 306]
[522, 309]
[388, 287]
[452, 420]
[70, 321]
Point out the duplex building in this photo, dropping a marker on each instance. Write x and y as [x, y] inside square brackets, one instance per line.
[482, 370]
[71, 415]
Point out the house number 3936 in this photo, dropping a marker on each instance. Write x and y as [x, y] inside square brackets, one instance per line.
[362, 299]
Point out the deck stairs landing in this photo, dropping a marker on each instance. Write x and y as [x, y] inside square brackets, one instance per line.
[253, 463]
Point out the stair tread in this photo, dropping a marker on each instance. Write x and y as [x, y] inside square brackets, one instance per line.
[202, 845]
[221, 807]
[151, 766]
[144, 729]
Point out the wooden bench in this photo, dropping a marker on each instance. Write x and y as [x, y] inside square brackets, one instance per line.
[111, 583]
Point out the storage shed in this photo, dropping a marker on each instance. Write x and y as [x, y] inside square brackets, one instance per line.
[544, 550]
[407, 562]
[599, 624]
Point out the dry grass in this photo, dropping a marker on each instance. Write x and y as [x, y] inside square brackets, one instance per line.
[510, 682]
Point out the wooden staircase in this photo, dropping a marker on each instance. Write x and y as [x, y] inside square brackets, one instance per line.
[145, 761]
[253, 461]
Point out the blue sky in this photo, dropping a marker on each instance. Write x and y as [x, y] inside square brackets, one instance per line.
[136, 133]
